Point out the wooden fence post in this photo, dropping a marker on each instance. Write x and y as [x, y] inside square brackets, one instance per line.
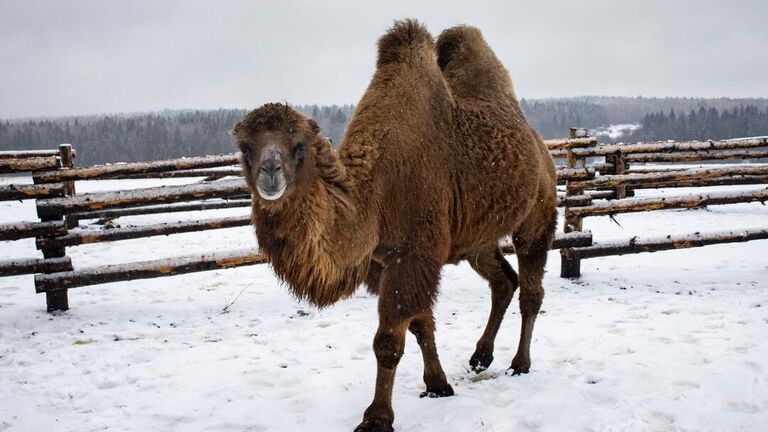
[68, 162]
[570, 268]
[620, 167]
[59, 300]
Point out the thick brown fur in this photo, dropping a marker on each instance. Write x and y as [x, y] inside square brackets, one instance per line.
[436, 166]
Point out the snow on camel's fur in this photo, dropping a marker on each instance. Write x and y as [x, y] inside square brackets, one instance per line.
[437, 165]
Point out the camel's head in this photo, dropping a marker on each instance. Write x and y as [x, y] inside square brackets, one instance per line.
[277, 145]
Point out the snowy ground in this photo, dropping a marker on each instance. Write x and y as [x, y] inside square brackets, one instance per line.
[670, 341]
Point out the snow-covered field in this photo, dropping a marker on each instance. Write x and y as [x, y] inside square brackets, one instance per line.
[669, 341]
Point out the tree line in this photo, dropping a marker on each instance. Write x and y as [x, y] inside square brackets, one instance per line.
[742, 121]
[153, 136]
[171, 134]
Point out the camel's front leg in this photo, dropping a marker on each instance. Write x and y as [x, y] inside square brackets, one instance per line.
[388, 346]
[407, 288]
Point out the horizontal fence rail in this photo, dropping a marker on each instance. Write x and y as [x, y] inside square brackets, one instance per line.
[16, 192]
[697, 156]
[117, 170]
[668, 176]
[661, 147]
[138, 197]
[164, 208]
[23, 266]
[74, 238]
[678, 202]
[23, 154]
[210, 173]
[146, 269]
[20, 230]
[9, 166]
[635, 245]
[570, 143]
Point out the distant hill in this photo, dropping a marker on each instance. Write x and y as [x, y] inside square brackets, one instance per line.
[552, 117]
[168, 134]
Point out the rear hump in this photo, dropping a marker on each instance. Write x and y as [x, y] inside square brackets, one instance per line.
[454, 40]
[470, 66]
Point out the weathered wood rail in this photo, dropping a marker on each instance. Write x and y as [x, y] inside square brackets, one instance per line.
[121, 170]
[20, 230]
[635, 245]
[74, 238]
[696, 174]
[631, 205]
[597, 180]
[212, 204]
[23, 266]
[20, 192]
[23, 154]
[140, 197]
[9, 166]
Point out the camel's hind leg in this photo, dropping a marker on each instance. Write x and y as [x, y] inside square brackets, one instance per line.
[423, 327]
[491, 265]
[531, 258]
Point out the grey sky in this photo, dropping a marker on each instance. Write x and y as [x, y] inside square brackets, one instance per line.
[81, 57]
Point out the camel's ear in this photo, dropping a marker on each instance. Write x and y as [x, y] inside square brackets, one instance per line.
[315, 127]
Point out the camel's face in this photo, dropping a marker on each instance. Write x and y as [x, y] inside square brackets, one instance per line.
[274, 161]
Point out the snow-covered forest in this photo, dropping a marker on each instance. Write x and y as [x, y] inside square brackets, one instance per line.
[168, 134]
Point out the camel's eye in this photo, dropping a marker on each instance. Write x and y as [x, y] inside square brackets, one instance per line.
[298, 151]
[246, 151]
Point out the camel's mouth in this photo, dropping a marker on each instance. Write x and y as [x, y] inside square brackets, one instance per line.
[271, 197]
[271, 187]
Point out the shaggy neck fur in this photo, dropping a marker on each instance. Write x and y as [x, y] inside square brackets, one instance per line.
[303, 235]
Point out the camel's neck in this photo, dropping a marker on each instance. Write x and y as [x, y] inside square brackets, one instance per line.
[317, 242]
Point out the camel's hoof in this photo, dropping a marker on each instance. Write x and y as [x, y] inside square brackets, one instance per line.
[375, 424]
[437, 392]
[480, 360]
[520, 366]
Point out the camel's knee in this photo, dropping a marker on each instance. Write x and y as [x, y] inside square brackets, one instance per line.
[422, 329]
[388, 349]
[531, 300]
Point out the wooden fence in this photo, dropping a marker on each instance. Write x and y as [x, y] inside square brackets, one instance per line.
[595, 180]
[54, 258]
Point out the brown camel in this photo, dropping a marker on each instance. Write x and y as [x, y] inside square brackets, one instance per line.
[437, 165]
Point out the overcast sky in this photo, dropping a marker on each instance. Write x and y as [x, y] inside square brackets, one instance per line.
[83, 57]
